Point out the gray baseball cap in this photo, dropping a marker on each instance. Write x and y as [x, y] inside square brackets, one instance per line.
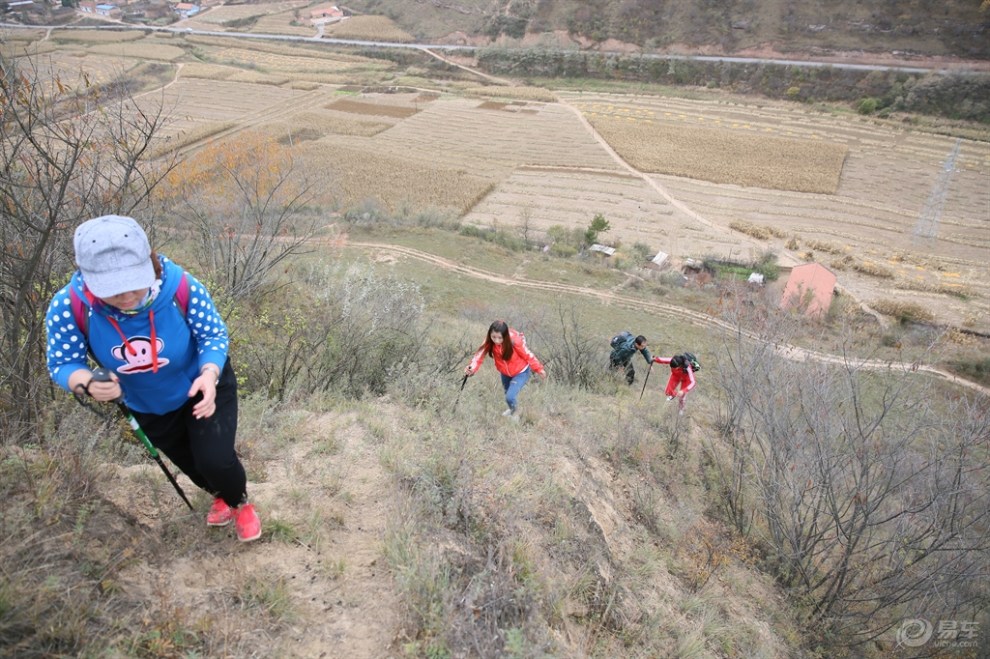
[113, 255]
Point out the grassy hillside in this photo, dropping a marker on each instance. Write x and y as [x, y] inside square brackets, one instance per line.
[824, 494]
[404, 516]
[954, 27]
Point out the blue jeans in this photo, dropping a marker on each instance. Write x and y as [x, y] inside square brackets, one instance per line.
[513, 385]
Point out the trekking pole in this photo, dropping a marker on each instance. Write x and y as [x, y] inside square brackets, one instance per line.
[646, 379]
[458, 399]
[103, 375]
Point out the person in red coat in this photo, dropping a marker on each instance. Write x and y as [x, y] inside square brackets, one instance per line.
[681, 375]
[513, 360]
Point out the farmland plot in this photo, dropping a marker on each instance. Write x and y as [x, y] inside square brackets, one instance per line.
[195, 102]
[492, 142]
[352, 171]
[887, 177]
[546, 197]
[219, 16]
[70, 65]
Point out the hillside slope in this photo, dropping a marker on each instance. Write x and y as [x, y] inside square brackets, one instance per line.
[955, 28]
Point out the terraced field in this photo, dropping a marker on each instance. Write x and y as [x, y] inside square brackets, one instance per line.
[683, 176]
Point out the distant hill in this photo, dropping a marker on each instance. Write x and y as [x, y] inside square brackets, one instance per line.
[922, 28]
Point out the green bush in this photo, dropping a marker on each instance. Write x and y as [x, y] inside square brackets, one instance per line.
[867, 106]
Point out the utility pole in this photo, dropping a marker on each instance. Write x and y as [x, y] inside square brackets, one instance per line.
[927, 226]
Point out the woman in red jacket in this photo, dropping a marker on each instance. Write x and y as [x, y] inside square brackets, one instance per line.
[513, 360]
[681, 375]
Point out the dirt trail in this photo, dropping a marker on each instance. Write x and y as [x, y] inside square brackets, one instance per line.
[792, 352]
[318, 567]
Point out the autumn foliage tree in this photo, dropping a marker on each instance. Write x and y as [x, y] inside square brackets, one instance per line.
[245, 202]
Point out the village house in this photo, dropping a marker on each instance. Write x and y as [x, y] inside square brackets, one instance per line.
[809, 288]
[325, 14]
[186, 9]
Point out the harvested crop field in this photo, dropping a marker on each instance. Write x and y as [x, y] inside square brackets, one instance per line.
[352, 174]
[871, 223]
[464, 134]
[370, 28]
[663, 143]
[141, 50]
[546, 197]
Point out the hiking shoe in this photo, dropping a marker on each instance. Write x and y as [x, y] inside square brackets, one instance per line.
[220, 513]
[247, 523]
[508, 412]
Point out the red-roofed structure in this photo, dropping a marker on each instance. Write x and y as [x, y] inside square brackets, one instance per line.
[809, 289]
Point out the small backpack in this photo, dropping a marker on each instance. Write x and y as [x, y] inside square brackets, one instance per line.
[691, 359]
[620, 339]
[81, 313]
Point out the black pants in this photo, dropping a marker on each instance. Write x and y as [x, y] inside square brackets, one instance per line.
[616, 364]
[203, 448]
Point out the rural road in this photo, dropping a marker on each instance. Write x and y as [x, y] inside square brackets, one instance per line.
[787, 351]
[937, 68]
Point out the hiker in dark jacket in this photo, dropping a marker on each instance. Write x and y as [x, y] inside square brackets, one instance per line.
[622, 355]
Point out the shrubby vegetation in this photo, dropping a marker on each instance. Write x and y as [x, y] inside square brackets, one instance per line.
[946, 95]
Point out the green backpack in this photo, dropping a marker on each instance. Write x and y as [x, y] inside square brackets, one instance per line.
[691, 359]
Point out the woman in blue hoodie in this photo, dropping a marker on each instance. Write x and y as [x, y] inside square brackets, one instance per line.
[156, 329]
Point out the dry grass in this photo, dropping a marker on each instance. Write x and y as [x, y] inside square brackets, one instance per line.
[258, 78]
[24, 35]
[823, 246]
[903, 311]
[295, 62]
[872, 269]
[724, 156]
[284, 23]
[939, 288]
[760, 233]
[369, 28]
[518, 93]
[233, 13]
[14, 49]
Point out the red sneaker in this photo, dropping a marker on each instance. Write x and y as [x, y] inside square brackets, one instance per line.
[247, 523]
[220, 513]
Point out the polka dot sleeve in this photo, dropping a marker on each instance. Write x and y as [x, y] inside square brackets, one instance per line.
[66, 346]
[207, 326]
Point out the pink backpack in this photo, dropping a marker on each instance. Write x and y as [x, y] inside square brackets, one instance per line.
[81, 313]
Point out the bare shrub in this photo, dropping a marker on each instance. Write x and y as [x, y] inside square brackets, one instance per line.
[868, 491]
[872, 269]
[246, 203]
[823, 246]
[344, 330]
[905, 312]
[758, 232]
[70, 152]
[571, 353]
